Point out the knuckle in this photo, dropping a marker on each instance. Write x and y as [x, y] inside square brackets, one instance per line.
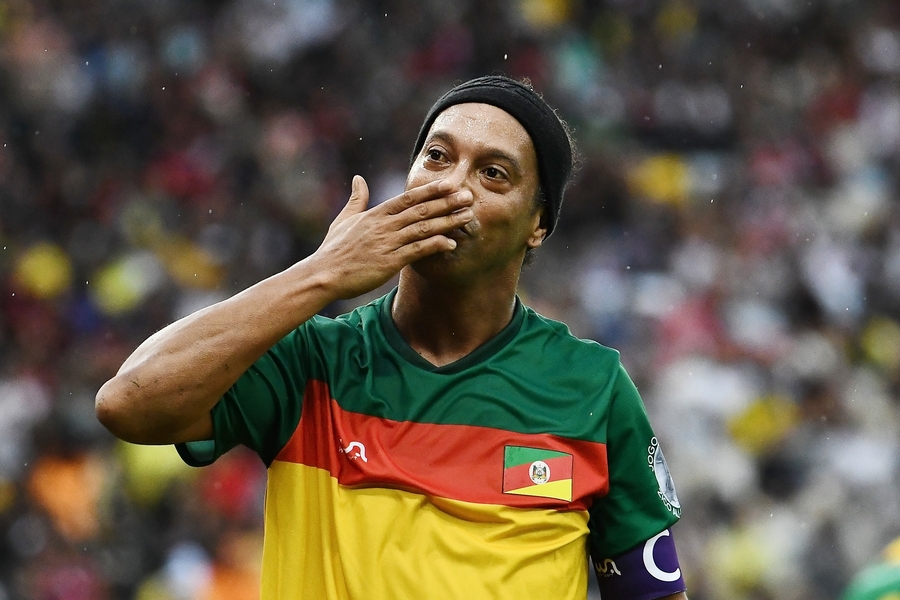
[463, 216]
[421, 210]
[406, 200]
[423, 227]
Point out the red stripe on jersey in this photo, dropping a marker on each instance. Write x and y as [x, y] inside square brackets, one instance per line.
[460, 462]
[519, 476]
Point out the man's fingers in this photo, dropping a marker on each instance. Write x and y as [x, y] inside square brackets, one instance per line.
[436, 226]
[435, 208]
[425, 247]
[417, 195]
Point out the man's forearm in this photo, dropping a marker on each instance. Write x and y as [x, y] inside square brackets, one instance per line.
[166, 388]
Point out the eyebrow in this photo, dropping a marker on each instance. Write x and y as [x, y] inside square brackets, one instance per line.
[495, 153]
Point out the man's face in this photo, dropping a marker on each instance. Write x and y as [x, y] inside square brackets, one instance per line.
[485, 150]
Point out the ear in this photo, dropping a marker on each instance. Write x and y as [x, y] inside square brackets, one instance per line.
[539, 229]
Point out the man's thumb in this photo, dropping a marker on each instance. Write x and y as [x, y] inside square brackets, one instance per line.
[359, 195]
[359, 199]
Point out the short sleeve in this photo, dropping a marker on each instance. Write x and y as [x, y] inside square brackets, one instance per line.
[641, 501]
[261, 409]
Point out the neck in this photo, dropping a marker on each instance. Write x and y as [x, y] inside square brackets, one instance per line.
[444, 322]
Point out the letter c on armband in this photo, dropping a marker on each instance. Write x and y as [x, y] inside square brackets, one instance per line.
[650, 563]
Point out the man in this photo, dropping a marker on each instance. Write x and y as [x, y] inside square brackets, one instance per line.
[443, 441]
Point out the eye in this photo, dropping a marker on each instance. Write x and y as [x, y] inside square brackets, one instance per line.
[434, 154]
[494, 173]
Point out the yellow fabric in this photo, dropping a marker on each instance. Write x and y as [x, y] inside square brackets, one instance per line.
[45, 270]
[561, 489]
[892, 552]
[764, 424]
[664, 178]
[330, 542]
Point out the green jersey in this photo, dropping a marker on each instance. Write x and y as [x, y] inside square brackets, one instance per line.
[491, 477]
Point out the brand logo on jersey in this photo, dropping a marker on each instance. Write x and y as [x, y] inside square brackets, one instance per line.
[539, 472]
[657, 462]
[607, 568]
[354, 450]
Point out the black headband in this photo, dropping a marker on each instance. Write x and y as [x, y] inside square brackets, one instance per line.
[548, 134]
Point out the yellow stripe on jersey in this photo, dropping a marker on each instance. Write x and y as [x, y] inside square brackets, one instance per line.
[561, 490]
[325, 541]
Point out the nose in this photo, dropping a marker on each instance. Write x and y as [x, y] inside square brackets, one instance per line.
[459, 175]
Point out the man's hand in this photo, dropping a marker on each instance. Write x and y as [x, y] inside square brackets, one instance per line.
[365, 248]
[164, 391]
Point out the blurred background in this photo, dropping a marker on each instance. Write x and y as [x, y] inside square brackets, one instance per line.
[733, 229]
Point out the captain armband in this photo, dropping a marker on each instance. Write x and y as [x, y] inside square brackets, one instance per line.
[649, 570]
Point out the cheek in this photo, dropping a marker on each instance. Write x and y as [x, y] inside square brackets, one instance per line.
[418, 175]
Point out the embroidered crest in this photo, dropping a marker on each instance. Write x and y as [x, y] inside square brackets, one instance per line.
[657, 462]
[537, 472]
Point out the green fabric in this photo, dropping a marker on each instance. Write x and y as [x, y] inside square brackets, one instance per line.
[533, 377]
[878, 582]
[634, 501]
[197, 454]
[519, 455]
[473, 359]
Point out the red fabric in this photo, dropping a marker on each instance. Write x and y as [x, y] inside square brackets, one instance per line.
[460, 462]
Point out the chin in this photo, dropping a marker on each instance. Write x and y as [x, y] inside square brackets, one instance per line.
[440, 265]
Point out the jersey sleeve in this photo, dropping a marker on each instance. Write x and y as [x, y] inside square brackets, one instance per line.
[261, 409]
[641, 501]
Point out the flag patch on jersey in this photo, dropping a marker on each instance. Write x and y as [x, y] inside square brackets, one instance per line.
[537, 472]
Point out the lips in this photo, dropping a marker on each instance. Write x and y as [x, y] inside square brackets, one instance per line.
[457, 233]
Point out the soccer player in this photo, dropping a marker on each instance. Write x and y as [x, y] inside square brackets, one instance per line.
[444, 441]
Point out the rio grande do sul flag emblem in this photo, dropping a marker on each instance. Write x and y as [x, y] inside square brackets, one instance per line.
[537, 472]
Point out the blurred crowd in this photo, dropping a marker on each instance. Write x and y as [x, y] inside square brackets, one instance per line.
[733, 229]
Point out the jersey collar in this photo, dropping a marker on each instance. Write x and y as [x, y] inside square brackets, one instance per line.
[477, 356]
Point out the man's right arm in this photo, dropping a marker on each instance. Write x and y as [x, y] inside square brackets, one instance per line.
[164, 391]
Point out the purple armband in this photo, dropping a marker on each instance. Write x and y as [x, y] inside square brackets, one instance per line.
[649, 570]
